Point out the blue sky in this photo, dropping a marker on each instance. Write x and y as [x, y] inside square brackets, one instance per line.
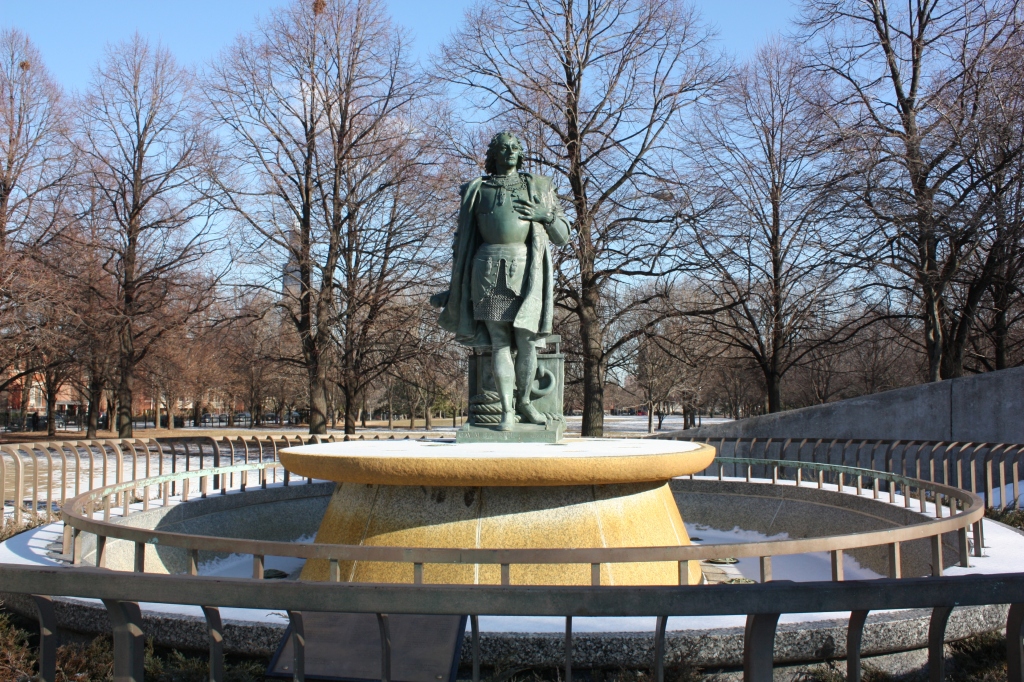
[71, 34]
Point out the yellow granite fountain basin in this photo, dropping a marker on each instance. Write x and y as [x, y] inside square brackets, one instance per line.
[575, 494]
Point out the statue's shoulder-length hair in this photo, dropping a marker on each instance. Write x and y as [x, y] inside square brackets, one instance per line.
[490, 167]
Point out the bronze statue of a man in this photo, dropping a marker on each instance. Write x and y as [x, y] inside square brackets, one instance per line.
[502, 283]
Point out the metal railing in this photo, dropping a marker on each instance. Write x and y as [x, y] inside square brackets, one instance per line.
[951, 511]
[981, 468]
[131, 463]
[761, 604]
[41, 476]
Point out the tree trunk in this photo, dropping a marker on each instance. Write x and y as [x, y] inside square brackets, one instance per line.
[1000, 331]
[774, 385]
[362, 410]
[351, 408]
[95, 397]
[391, 414]
[171, 410]
[317, 400]
[593, 373]
[428, 423]
[650, 416]
[124, 401]
[51, 404]
[26, 397]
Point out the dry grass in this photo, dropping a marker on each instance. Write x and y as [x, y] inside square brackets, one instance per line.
[8, 529]
[16, 657]
[94, 662]
[1011, 517]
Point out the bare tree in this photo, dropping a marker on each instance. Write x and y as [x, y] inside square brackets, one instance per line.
[593, 87]
[34, 166]
[144, 152]
[910, 77]
[776, 258]
[33, 156]
[317, 103]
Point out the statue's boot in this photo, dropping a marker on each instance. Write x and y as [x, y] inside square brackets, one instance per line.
[508, 420]
[530, 414]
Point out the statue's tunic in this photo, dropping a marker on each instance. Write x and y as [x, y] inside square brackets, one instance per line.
[502, 269]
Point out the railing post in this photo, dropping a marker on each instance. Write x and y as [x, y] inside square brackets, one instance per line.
[47, 638]
[979, 538]
[766, 569]
[759, 647]
[1015, 643]
[140, 557]
[568, 649]
[474, 624]
[216, 629]
[76, 547]
[257, 567]
[193, 562]
[964, 548]
[895, 561]
[129, 641]
[298, 646]
[101, 551]
[936, 541]
[936, 643]
[65, 539]
[334, 571]
[659, 649]
[854, 638]
[837, 565]
[385, 647]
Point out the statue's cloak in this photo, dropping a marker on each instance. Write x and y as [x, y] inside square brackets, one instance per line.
[536, 310]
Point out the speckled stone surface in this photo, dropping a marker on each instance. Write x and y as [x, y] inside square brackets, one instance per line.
[578, 461]
[884, 633]
[723, 647]
[280, 513]
[177, 631]
[551, 517]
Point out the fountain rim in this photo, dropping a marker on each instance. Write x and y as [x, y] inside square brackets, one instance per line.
[442, 462]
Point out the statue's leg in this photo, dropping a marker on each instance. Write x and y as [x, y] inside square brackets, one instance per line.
[526, 370]
[504, 371]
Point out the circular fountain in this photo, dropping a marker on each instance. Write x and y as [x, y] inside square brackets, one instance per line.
[573, 494]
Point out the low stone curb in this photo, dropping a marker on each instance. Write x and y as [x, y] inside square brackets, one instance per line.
[884, 633]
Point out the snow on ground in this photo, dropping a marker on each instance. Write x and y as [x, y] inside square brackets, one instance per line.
[1003, 553]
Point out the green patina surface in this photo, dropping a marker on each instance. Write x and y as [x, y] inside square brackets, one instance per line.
[500, 299]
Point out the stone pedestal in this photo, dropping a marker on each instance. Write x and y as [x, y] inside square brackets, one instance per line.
[546, 394]
[580, 493]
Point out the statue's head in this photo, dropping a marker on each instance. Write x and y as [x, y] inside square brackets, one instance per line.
[502, 143]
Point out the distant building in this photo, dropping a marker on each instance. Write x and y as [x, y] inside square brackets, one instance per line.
[291, 284]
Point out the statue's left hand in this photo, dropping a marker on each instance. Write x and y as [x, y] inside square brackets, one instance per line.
[534, 212]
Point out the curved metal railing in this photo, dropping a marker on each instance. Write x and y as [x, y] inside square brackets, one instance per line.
[981, 468]
[951, 509]
[39, 477]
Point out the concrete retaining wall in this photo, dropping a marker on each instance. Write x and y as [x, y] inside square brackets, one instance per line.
[986, 408]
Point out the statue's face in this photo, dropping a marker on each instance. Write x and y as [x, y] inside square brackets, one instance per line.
[507, 152]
